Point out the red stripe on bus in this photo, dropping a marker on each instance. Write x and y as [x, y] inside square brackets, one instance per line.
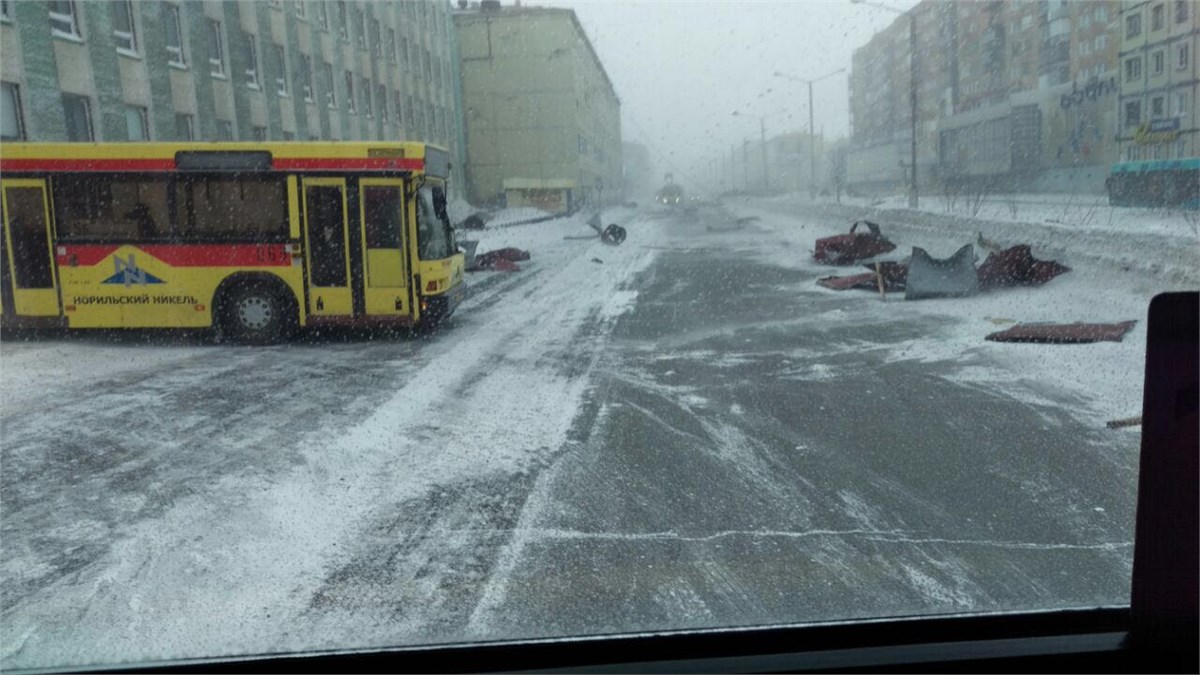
[70, 165]
[279, 164]
[185, 255]
[340, 164]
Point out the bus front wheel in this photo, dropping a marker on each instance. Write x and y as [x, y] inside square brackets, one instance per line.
[256, 313]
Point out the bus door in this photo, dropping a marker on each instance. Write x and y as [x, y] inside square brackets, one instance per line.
[385, 285]
[30, 283]
[327, 247]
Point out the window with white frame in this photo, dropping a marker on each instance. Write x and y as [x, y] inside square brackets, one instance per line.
[399, 108]
[137, 127]
[1181, 11]
[185, 127]
[328, 82]
[12, 124]
[382, 102]
[124, 30]
[250, 42]
[77, 113]
[1158, 59]
[365, 90]
[322, 15]
[1182, 56]
[360, 28]
[281, 72]
[343, 21]
[306, 77]
[1133, 69]
[351, 104]
[1133, 26]
[63, 19]
[1157, 17]
[216, 48]
[174, 36]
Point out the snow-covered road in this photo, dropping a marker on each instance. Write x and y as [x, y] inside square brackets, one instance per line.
[681, 431]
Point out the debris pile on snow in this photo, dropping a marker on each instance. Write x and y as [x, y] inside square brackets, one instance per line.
[844, 249]
[499, 260]
[1063, 333]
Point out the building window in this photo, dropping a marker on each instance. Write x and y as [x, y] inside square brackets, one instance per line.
[301, 12]
[259, 133]
[1158, 59]
[1133, 113]
[351, 105]
[12, 125]
[306, 77]
[1133, 26]
[399, 107]
[174, 36]
[289, 136]
[77, 112]
[185, 127]
[281, 77]
[216, 49]
[365, 90]
[381, 97]
[360, 28]
[124, 32]
[1133, 69]
[1156, 108]
[330, 92]
[343, 21]
[137, 127]
[1181, 11]
[376, 40]
[1157, 17]
[391, 45]
[1182, 57]
[224, 130]
[251, 54]
[1180, 104]
[322, 15]
[62, 19]
[5, 10]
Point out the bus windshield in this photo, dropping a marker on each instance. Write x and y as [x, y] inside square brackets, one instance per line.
[434, 237]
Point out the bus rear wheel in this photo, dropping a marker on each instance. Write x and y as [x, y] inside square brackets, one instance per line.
[256, 313]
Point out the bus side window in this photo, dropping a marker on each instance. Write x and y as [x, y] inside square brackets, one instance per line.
[233, 208]
[111, 207]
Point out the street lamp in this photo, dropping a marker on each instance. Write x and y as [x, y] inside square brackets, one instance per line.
[912, 89]
[812, 137]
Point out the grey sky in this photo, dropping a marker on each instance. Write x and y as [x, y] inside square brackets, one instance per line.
[681, 67]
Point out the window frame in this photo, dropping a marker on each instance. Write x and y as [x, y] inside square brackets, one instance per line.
[1133, 25]
[360, 33]
[225, 130]
[1158, 17]
[322, 15]
[281, 79]
[215, 35]
[190, 123]
[308, 86]
[176, 54]
[300, 10]
[1183, 56]
[331, 93]
[18, 114]
[1158, 61]
[65, 26]
[130, 37]
[343, 21]
[254, 69]
[1181, 11]
[87, 114]
[351, 103]
[6, 11]
[1136, 107]
[143, 120]
[365, 87]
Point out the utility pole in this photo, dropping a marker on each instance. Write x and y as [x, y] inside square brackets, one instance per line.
[746, 163]
[913, 199]
[762, 129]
[812, 148]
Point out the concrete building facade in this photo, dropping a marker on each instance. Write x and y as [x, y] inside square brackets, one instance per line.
[162, 70]
[1019, 95]
[1159, 79]
[541, 117]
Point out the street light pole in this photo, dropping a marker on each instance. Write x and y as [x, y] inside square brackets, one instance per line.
[812, 132]
[914, 199]
[762, 129]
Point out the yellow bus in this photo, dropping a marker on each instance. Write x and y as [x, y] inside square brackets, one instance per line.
[254, 239]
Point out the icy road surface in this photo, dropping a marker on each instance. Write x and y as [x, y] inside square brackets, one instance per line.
[682, 431]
